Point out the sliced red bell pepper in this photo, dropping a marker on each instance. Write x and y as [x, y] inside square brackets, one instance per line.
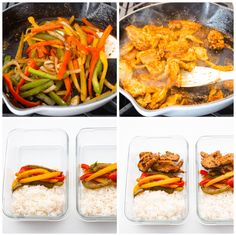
[30, 63]
[60, 178]
[180, 183]
[17, 96]
[90, 38]
[87, 30]
[85, 166]
[113, 176]
[46, 27]
[104, 37]
[85, 176]
[68, 88]
[203, 182]
[65, 62]
[143, 175]
[23, 169]
[20, 83]
[44, 43]
[203, 172]
[230, 182]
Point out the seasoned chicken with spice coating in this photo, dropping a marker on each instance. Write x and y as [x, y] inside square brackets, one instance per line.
[216, 160]
[167, 163]
[155, 56]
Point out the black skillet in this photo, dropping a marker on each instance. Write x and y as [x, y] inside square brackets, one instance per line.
[15, 22]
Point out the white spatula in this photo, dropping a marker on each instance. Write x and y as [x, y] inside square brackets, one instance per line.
[200, 76]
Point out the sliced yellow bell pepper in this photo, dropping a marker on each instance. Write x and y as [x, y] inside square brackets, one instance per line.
[31, 172]
[160, 183]
[40, 177]
[150, 178]
[219, 178]
[20, 48]
[103, 171]
[14, 184]
[101, 180]
[32, 21]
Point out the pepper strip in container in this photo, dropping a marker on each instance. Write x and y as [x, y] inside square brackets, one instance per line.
[64, 64]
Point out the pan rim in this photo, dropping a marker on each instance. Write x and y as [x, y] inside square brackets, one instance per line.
[164, 3]
[21, 3]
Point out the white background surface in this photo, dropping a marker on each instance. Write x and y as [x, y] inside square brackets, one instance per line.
[72, 224]
[191, 129]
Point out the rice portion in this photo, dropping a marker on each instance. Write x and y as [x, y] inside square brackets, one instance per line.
[159, 205]
[38, 201]
[217, 206]
[98, 202]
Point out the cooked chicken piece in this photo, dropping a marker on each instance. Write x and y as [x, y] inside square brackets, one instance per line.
[193, 39]
[216, 160]
[225, 169]
[158, 98]
[187, 66]
[189, 56]
[184, 25]
[144, 100]
[173, 100]
[215, 94]
[167, 166]
[216, 40]
[132, 86]
[201, 53]
[174, 73]
[149, 56]
[130, 56]
[139, 37]
[147, 159]
[168, 162]
[170, 156]
[126, 71]
[156, 67]
[126, 48]
[176, 49]
[229, 85]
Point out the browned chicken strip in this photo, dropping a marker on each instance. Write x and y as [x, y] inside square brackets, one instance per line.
[216, 160]
[147, 159]
[167, 163]
[168, 166]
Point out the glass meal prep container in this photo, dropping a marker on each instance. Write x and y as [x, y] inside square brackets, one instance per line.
[47, 148]
[210, 144]
[93, 145]
[175, 144]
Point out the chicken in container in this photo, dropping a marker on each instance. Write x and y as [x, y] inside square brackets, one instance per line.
[162, 183]
[216, 186]
[154, 57]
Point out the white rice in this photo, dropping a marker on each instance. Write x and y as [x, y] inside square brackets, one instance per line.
[38, 201]
[217, 206]
[98, 202]
[159, 205]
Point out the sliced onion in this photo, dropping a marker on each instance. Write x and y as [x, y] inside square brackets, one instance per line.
[57, 35]
[74, 71]
[47, 71]
[53, 87]
[18, 69]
